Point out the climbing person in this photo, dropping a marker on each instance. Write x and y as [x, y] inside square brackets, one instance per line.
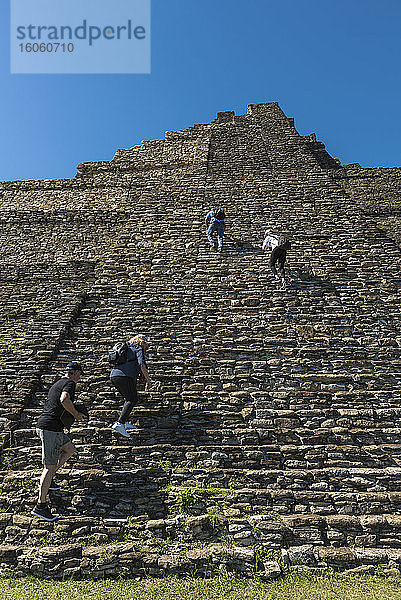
[57, 447]
[278, 256]
[128, 363]
[215, 223]
[270, 241]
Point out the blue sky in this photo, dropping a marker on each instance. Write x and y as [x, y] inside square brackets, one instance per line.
[334, 66]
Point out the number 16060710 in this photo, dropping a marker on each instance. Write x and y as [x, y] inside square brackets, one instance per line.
[49, 47]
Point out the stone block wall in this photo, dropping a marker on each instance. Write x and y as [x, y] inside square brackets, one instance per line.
[275, 413]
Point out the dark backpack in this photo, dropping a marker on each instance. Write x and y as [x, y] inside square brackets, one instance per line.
[66, 417]
[284, 242]
[219, 214]
[118, 354]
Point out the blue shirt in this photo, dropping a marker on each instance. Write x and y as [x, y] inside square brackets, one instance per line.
[131, 368]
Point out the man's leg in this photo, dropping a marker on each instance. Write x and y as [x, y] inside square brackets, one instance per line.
[273, 266]
[41, 510]
[210, 232]
[67, 451]
[281, 263]
[50, 470]
[220, 232]
[45, 481]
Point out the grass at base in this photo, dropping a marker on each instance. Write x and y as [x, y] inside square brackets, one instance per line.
[294, 587]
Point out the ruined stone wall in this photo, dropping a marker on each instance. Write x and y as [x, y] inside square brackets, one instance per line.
[276, 405]
[377, 191]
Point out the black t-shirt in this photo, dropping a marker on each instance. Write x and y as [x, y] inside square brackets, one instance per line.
[50, 417]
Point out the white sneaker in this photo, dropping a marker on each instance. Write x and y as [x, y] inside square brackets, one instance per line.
[120, 428]
[129, 426]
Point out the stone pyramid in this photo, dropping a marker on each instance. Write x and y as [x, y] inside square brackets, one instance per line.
[271, 439]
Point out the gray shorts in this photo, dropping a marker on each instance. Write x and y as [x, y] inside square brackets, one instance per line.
[51, 445]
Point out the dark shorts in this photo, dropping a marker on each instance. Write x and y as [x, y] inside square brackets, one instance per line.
[52, 441]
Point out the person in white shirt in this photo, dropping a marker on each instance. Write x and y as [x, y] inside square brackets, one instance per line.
[279, 246]
[270, 242]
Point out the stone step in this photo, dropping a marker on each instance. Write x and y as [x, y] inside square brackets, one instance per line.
[193, 432]
[243, 529]
[99, 478]
[244, 420]
[197, 500]
[123, 453]
[301, 419]
[260, 416]
[159, 558]
[332, 479]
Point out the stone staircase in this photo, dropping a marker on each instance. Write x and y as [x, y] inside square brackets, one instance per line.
[271, 438]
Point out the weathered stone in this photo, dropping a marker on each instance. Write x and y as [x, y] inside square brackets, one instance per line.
[344, 522]
[373, 523]
[337, 557]
[371, 555]
[159, 524]
[301, 555]
[243, 554]
[265, 400]
[201, 521]
[8, 554]
[22, 521]
[362, 570]
[271, 570]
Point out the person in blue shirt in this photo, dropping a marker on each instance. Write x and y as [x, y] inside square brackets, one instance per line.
[124, 379]
[215, 224]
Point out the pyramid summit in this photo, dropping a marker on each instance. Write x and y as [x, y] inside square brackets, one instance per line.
[273, 425]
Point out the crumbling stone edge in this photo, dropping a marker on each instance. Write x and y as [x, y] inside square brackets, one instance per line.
[125, 560]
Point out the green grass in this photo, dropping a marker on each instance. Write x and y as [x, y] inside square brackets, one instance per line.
[334, 587]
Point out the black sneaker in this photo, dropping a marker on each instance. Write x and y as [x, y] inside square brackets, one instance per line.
[42, 512]
[54, 486]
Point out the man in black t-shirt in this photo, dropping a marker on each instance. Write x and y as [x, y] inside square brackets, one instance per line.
[57, 447]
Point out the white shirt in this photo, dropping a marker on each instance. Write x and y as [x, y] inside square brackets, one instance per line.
[270, 241]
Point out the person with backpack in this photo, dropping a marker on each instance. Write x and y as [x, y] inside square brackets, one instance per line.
[279, 256]
[215, 224]
[128, 360]
[57, 447]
